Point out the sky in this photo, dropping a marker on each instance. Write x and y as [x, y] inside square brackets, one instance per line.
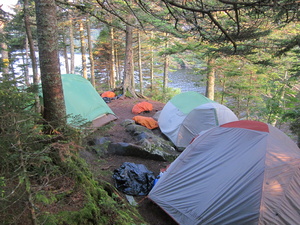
[7, 3]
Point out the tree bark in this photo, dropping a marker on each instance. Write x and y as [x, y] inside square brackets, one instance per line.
[83, 50]
[36, 78]
[151, 63]
[26, 62]
[140, 62]
[112, 80]
[117, 61]
[54, 105]
[210, 83]
[90, 44]
[166, 68]
[128, 70]
[65, 52]
[5, 58]
[72, 58]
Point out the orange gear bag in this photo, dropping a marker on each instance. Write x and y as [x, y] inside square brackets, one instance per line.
[142, 107]
[148, 122]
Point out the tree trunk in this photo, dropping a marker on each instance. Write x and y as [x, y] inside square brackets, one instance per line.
[112, 80]
[90, 44]
[129, 69]
[210, 83]
[36, 78]
[54, 105]
[72, 59]
[65, 51]
[118, 70]
[166, 68]
[5, 58]
[151, 63]
[140, 62]
[83, 50]
[223, 84]
[26, 63]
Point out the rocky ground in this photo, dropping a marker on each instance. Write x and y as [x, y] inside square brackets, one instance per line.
[104, 165]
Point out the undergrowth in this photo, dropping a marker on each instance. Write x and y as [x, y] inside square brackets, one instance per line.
[42, 178]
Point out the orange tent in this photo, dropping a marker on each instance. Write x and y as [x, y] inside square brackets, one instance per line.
[108, 94]
[148, 122]
[142, 107]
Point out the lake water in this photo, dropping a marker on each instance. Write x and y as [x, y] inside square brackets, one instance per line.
[187, 80]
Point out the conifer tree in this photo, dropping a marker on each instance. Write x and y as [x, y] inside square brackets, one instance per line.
[54, 105]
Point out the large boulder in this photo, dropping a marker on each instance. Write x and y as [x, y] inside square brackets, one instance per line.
[148, 145]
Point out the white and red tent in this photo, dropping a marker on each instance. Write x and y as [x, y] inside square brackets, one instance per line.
[242, 172]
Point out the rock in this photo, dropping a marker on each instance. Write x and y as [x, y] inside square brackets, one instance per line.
[98, 144]
[127, 122]
[128, 149]
[149, 142]
[147, 145]
[98, 141]
[131, 200]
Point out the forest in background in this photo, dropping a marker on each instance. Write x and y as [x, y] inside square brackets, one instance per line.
[247, 51]
[250, 62]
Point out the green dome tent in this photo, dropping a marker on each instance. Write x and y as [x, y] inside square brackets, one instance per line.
[83, 101]
[189, 113]
[242, 172]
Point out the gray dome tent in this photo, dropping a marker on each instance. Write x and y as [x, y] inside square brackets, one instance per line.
[243, 172]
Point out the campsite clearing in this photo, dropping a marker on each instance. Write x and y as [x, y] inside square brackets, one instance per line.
[122, 108]
[106, 164]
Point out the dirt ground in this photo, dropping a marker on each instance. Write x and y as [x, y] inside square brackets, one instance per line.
[122, 107]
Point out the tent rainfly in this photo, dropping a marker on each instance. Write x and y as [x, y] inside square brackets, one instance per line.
[82, 99]
[243, 172]
[189, 113]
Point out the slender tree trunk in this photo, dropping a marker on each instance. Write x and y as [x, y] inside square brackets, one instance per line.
[72, 58]
[132, 77]
[112, 80]
[223, 84]
[210, 83]
[90, 44]
[117, 60]
[26, 63]
[249, 97]
[5, 58]
[54, 105]
[83, 50]
[238, 108]
[129, 70]
[65, 52]
[166, 69]
[4, 51]
[36, 78]
[151, 63]
[140, 62]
